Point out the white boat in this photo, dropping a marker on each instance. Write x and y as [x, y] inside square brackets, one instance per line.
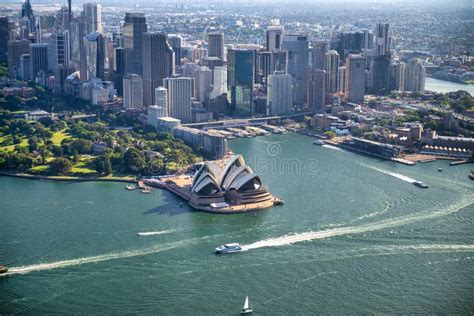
[318, 142]
[247, 307]
[229, 248]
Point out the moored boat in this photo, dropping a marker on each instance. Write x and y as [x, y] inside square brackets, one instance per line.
[229, 248]
[131, 187]
[146, 190]
[318, 142]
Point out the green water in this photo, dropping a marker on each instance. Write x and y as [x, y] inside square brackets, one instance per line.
[354, 236]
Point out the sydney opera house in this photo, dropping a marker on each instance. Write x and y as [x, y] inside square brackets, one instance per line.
[228, 186]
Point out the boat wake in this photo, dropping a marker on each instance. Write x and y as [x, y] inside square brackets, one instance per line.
[393, 174]
[87, 260]
[331, 147]
[349, 230]
[154, 233]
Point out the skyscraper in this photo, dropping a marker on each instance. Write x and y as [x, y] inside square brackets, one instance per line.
[240, 79]
[318, 89]
[38, 59]
[279, 93]
[28, 16]
[355, 78]
[274, 37]
[415, 76]
[397, 76]
[25, 67]
[381, 72]
[15, 50]
[158, 64]
[216, 45]
[176, 43]
[132, 92]
[297, 66]
[94, 49]
[332, 68]
[133, 29]
[382, 41]
[4, 38]
[119, 69]
[179, 97]
[203, 84]
[92, 13]
[319, 55]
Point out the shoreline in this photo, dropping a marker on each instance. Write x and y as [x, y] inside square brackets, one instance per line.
[64, 178]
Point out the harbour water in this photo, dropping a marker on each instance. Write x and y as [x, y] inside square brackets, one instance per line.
[444, 86]
[354, 236]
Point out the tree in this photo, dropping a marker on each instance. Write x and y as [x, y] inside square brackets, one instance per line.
[103, 165]
[61, 165]
[330, 134]
[83, 146]
[134, 160]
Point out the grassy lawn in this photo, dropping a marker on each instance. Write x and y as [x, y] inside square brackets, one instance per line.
[24, 143]
[82, 167]
[40, 168]
[59, 136]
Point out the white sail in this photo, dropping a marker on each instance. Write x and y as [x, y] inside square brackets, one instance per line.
[246, 305]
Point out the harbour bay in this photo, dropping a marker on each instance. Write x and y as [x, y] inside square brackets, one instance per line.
[352, 237]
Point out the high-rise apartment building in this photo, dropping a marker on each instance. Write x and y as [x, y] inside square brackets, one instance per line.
[279, 93]
[180, 91]
[415, 76]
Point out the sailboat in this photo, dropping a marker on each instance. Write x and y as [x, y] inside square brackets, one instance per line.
[247, 307]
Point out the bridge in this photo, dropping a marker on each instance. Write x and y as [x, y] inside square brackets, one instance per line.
[244, 121]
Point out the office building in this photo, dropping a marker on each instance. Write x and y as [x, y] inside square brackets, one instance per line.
[15, 50]
[132, 92]
[297, 65]
[176, 43]
[4, 37]
[25, 67]
[92, 13]
[341, 79]
[180, 91]
[158, 64]
[355, 78]
[332, 71]
[133, 29]
[161, 98]
[216, 45]
[318, 55]
[279, 93]
[203, 84]
[274, 36]
[240, 79]
[38, 59]
[119, 66]
[318, 89]
[381, 72]
[93, 65]
[382, 40]
[154, 113]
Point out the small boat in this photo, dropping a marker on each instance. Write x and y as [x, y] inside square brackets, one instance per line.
[146, 190]
[131, 187]
[247, 307]
[318, 142]
[3, 269]
[421, 184]
[471, 175]
[440, 169]
[229, 248]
